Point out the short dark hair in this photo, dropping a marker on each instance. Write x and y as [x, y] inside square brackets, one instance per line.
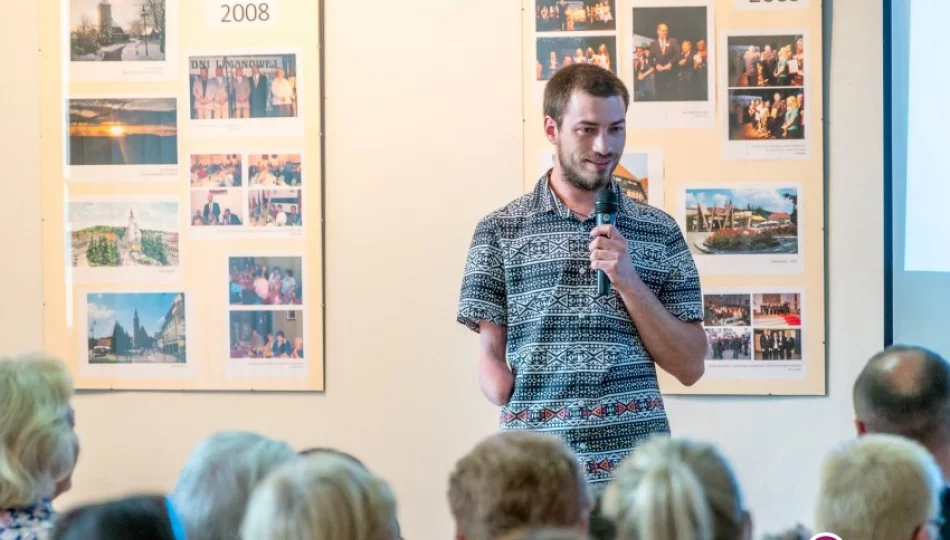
[923, 413]
[143, 516]
[588, 78]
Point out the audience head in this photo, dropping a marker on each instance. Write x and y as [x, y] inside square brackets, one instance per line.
[514, 480]
[544, 534]
[38, 447]
[132, 518]
[322, 496]
[216, 482]
[879, 486]
[323, 450]
[905, 391]
[671, 489]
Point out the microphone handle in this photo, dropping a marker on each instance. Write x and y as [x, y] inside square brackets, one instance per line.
[603, 282]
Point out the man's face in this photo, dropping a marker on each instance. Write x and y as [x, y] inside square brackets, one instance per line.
[255, 70]
[662, 31]
[203, 72]
[210, 198]
[590, 139]
[219, 72]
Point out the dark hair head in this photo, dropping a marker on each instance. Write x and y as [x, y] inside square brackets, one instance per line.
[143, 517]
[587, 78]
[905, 390]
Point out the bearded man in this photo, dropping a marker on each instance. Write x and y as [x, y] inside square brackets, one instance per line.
[555, 356]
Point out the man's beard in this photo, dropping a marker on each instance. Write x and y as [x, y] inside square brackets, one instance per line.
[576, 179]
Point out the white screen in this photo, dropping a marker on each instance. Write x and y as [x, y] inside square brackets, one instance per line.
[927, 209]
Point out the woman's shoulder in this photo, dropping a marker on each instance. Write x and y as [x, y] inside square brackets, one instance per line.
[33, 523]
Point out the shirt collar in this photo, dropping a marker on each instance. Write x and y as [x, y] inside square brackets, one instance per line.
[548, 201]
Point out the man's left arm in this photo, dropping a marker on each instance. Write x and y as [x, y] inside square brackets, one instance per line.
[669, 325]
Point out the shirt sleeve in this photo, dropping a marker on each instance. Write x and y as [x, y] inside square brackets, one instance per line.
[483, 296]
[681, 293]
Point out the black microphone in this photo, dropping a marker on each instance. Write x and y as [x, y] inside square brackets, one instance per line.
[605, 206]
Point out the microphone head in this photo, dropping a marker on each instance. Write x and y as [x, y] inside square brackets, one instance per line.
[607, 200]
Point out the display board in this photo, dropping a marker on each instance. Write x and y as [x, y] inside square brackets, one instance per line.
[724, 133]
[182, 193]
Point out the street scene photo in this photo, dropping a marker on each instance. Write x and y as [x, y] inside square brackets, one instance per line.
[742, 221]
[136, 328]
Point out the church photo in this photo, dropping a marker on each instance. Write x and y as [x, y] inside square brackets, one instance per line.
[136, 328]
[118, 234]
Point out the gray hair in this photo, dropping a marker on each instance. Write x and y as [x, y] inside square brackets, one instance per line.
[214, 486]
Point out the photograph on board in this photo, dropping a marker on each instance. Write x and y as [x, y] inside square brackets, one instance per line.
[250, 86]
[274, 170]
[271, 334]
[265, 280]
[575, 15]
[117, 30]
[123, 235]
[121, 40]
[217, 207]
[639, 173]
[777, 310]
[136, 328]
[777, 344]
[275, 208]
[728, 343]
[123, 131]
[750, 221]
[671, 58]
[726, 310]
[761, 61]
[554, 53]
[216, 170]
[766, 114]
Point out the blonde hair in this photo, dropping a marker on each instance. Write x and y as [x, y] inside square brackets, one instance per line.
[37, 444]
[517, 479]
[877, 487]
[544, 534]
[321, 497]
[673, 489]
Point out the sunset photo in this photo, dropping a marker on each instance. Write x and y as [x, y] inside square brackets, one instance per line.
[130, 131]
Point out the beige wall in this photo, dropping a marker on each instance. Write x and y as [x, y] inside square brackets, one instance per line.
[424, 136]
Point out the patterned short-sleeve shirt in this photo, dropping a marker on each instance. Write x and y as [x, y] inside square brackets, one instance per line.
[581, 369]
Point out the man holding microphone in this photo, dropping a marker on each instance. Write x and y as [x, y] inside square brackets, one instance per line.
[555, 355]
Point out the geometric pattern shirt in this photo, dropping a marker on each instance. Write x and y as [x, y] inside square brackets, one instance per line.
[31, 523]
[581, 370]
